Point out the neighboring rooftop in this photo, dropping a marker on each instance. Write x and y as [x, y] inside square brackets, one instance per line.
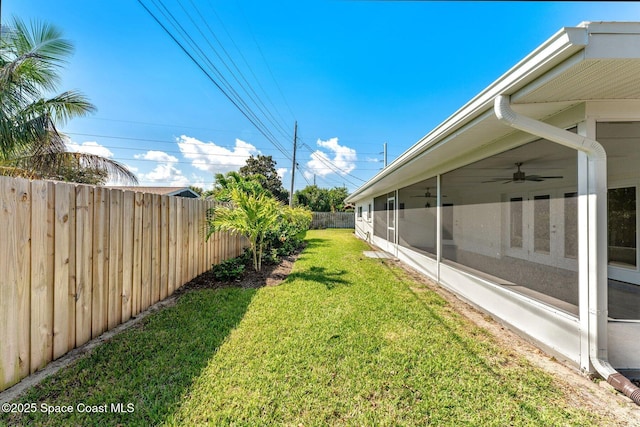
[164, 191]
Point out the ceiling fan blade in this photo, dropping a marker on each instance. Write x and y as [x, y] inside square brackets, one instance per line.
[497, 180]
[539, 178]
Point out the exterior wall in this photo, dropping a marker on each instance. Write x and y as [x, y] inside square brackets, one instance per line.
[364, 222]
[480, 225]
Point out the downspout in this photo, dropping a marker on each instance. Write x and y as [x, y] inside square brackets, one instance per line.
[597, 233]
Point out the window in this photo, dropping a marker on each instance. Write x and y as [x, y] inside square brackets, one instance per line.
[542, 224]
[622, 227]
[360, 212]
[417, 213]
[447, 221]
[571, 225]
[516, 222]
[380, 216]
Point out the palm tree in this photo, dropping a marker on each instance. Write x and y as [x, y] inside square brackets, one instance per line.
[224, 183]
[252, 215]
[30, 143]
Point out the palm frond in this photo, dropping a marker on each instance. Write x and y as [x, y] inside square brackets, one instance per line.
[30, 143]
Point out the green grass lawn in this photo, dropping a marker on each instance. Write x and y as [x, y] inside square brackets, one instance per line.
[346, 340]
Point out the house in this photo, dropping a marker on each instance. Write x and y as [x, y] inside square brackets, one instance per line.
[524, 201]
[163, 191]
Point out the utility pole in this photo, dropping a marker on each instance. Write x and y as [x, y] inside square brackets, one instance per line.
[293, 166]
[385, 154]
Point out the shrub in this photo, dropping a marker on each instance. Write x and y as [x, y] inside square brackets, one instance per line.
[288, 233]
[231, 269]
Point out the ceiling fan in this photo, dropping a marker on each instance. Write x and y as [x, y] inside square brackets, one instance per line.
[520, 176]
[428, 195]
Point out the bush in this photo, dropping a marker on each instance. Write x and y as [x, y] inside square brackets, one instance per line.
[231, 269]
[288, 233]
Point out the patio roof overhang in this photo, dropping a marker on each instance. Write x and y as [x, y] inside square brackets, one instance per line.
[593, 61]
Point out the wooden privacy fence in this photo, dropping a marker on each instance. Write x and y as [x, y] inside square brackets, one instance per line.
[333, 220]
[77, 260]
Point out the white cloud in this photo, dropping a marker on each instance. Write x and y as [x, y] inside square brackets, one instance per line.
[157, 156]
[202, 182]
[322, 164]
[165, 174]
[281, 172]
[90, 147]
[208, 156]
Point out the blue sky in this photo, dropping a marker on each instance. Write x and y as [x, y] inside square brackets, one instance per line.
[353, 74]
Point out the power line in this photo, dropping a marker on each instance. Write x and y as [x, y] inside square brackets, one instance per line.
[229, 93]
[251, 93]
[334, 167]
[221, 21]
[182, 152]
[270, 71]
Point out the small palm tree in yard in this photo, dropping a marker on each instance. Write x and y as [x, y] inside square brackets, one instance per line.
[252, 215]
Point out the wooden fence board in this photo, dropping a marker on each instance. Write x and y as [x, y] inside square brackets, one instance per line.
[155, 251]
[147, 218]
[62, 310]
[9, 356]
[164, 248]
[99, 301]
[15, 282]
[23, 270]
[192, 240]
[71, 296]
[201, 239]
[186, 273]
[171, 266]
[84, 262]
[179, 247]
[136, 274]
[41, 274]
[128, 216]
[114, 293]
[333, 220]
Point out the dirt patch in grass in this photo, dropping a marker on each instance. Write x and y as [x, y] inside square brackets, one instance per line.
[582, 392]
[270, 275]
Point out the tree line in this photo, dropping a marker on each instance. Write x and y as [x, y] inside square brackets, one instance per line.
[261, 171]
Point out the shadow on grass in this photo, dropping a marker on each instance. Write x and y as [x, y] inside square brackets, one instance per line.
[312, 245]
[151, 366]
[315, 243]
[321, 275]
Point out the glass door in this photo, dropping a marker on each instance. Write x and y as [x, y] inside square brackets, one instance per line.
[391, 219]
[542, 228]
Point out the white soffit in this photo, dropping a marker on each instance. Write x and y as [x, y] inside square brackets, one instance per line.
[573, 66]
[589, 80]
